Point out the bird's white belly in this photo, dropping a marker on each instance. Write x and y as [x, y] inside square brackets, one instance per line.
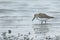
[42, 19]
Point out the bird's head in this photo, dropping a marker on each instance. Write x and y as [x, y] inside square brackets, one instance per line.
[35, 16]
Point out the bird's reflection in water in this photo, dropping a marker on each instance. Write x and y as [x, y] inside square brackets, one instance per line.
[41, 31]
[40, 28]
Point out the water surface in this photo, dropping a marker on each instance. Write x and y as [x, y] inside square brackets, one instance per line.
[17, 15]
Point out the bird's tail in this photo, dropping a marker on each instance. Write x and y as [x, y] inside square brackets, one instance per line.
[51, 17]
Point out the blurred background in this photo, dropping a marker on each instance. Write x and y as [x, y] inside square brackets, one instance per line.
[17, 15]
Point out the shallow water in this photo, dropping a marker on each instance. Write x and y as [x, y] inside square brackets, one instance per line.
[17, 15]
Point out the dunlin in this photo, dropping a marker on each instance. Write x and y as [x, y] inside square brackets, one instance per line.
[42, 17]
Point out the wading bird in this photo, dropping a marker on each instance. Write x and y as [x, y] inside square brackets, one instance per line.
[42, 17]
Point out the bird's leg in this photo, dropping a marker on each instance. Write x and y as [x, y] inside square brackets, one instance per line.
[45, 21]
[41, 22]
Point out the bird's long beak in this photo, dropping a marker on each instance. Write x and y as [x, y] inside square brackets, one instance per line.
[33, 18]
